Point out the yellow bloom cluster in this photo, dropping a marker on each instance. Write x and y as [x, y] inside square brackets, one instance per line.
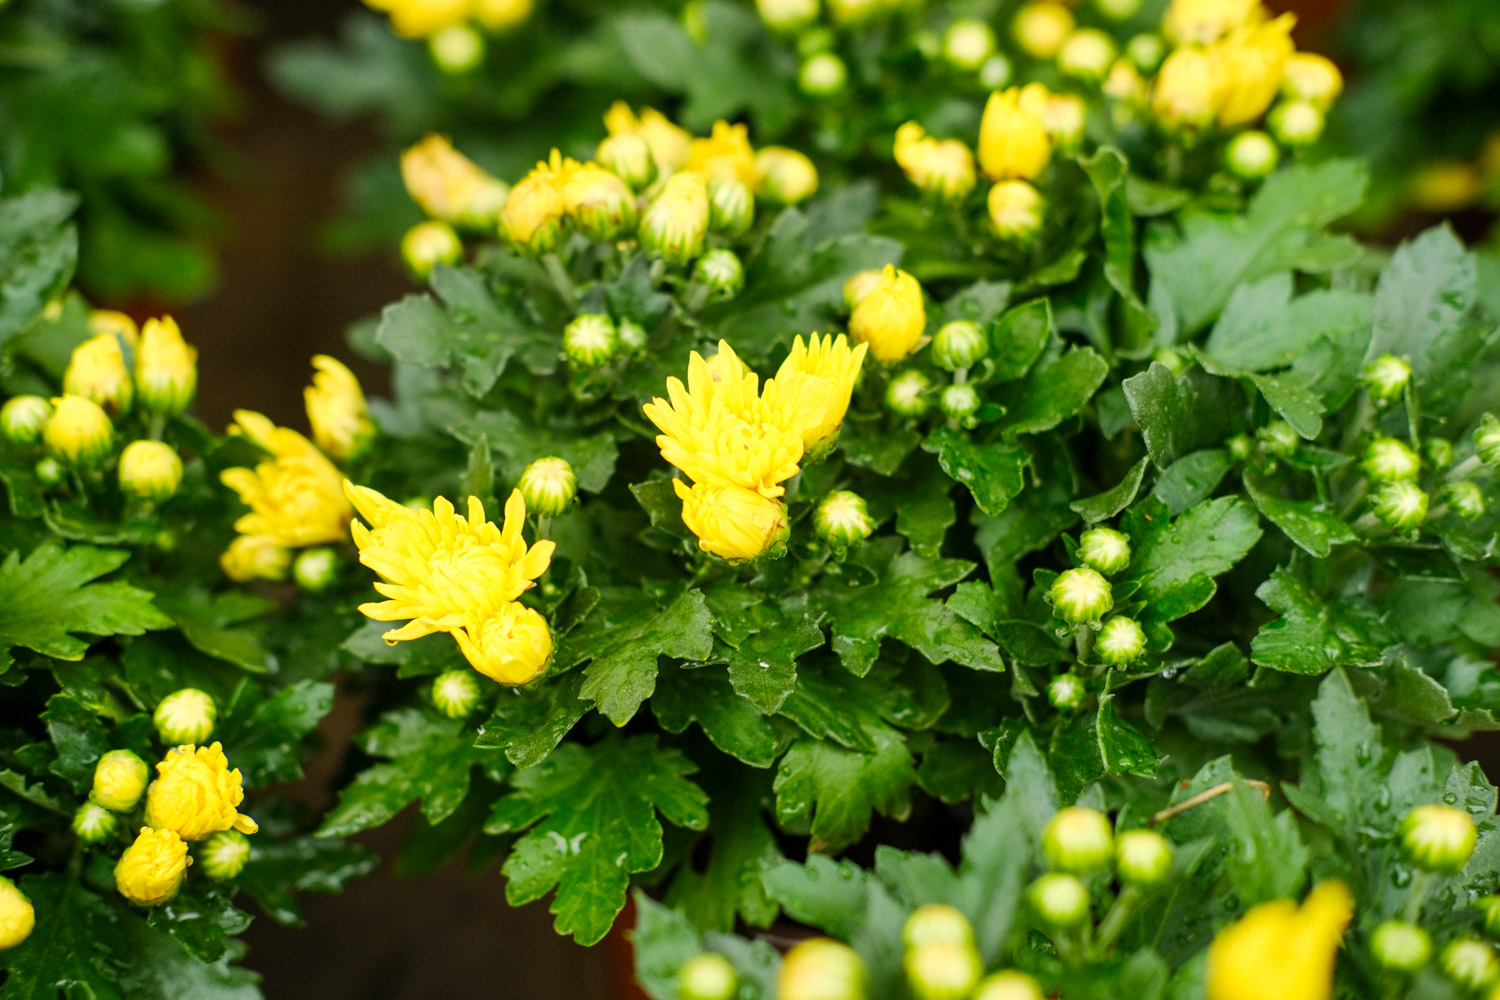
[442, 571]
[1279, 951]
[421, 18]
[738, 442]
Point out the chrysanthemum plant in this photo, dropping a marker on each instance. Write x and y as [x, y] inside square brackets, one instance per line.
[142, 702]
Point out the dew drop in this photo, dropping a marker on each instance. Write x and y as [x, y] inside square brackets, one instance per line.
[1383, 799]
[1450, 798]
[1400, 877]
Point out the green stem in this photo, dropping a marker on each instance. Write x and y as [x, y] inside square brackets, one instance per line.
[560, 280]
[1084, 636]
[1416, 895]
[1413, 416]
[157, 426]
[1114, 921]
[543, 528]
[1463, 469]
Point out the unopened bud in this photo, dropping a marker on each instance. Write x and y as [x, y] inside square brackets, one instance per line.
[1386, 378]
[1438, 838]
[996, 72]
[49, 471]
[787, 16]
[1279, 439]
[456, 50]
[1105, 550]
[1087, 54]
[114, 322]
[959, 344]
[843, 520]
[150, 470]
[786, 176]
[600, 203]
[17, 915]
[707, 977]
[79, 432]
[854, 13]
[1118, 10]
[97, 372]
[1400, 505]
[1296, 123]
[1438, 452]
[23, 418]
[1490, 907]
[967, 43]
[906, 395]
[628, 157]
[1121, 641]
[960, 402]
[1146, 51]
[1312, 78]
[822, 75]
[315, 570]
[1016, 211]
[937, 923]
[590, 340]
[119, 780]
[1252, 156]
[1465, 499]
[223, 856]
[1143, 858]
[549, 487]
[166, 368]
[1041, 28]
[1469, 964]
[428, 244]
[1487, 440]
[1388, 459]
[857, 287]
[1060, 901]
[721, 272]
[1400, 947]
[255, 557]
[943, 970]
[731, 206]
[1009, 985]
[822, 969]
[185, 716]
[1080, 595]
[676, 224]
[1066, 693]
[632, 336]
[1240, 447]
[1078, 840]
[94, 824]
[456, 693]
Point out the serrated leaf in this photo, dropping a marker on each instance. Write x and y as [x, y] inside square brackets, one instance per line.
[1122, 748]
[623, 671]
[1313, 636]
[528, 723]
[842, 788]
[1018, 337]
[1310, 524]
[267, 745]
[730, 722]
[1264, 328]
[1177, 560]
[1425, 292]
[79, 738]
[1191, 479]
[277, 870]
[1052, 392]
[743, 849]
[1178, 415]
[1103, 506]
[38, 251]
[992, 472]
[221, 625]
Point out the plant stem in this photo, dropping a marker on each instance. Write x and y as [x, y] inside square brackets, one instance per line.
[1416, 895]
[1114, 921]
[560, 280]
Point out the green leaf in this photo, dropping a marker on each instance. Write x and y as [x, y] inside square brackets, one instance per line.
[1108, 170]
[1311, 636]
[658, 498]
[80, 943]
[215, 624]
[920, 500]
[1296, 404]
[267, 745]
[1425, 292]
[1103, 506]
[1176, 562]
[278, 869]
[878, 445]
[588, 821]
[1199, 262]
[824, 893]
[743, 848]
[1179, 415]
[730, 722]
[80, 740]
[203, 924]
[665, 938]
[1053, 392]
[1191, 479]
[1018, 338]
[519, 443]
[992, 472]
[1122, 747]
[762, 644]
[623, 671]
[1311, 524]
[529, 722]
[1267, 859]
[38, 251]
[841, 788]
[1263, 328]
[50, 595]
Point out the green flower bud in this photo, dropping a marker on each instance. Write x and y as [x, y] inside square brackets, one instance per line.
[1469, 964]
[456, 693]
[1121, 641]
[428, 244]
[1080, 595]
[731, 206]
[1490, 907]
[1087, 54]
[721, 272]
[1143, 858]
[937, 923]
[185, 716]
[854, 13]
[1146, 51]
[548, 486]
[959, 344]
[1465, 499]
[787, 16]
[1240, 447]
[49, 470]
[1278, 439]
[1173, 359]
[1105, 550]
[1060, 901]
[1010, 985]
[1118, 10]
[590, 340]
[943, 971]
[1386, 378]
[79, 432]
[676, 222]
[707, 977]
[1296, 123]
[1251, 156]
[600, 203]
[823, 75]
[223, 856]
[787, 177]
[628, 157]
[317, 569]
[1078, 840]
[1487, 440]
[119, 780]
[456, 50]
[1066, 693]
[1401, 506]
[1400, 947]
[906, 394]
[842, 520]
[1388, 459]
[632, 336]
[23, 418]
[967, 43]
[1438, 838]
[1438, 452]
[150, 470]
[822, 969]
[94, 824]
[960, 402]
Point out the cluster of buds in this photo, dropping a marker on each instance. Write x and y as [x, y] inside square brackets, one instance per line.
[1083, 598]
[1393, 469]
[941, 960]
[1079, 843]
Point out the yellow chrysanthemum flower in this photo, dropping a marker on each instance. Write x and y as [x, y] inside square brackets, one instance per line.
[296, 496]
[337, 410]
[449, 186]
[671, 146]
[892, 317]
[420, 18]
[255, 557]
[1190, 88]
[1013, 140]
[117, 323]
[725, 153]
[97, 372]
[151, 870]
[17, 916]
[533, 214]
[1207, 21]
[1254, 60]
[511, 645]
[1279, 951]
[944, 167]
[731, 522]
[195, 794]
[502, 15]
[812, 388]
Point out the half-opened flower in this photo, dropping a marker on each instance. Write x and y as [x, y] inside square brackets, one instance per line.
[295, 496]
[195, 794]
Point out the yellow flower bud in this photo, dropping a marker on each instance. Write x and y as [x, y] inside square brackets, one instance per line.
[1254, 60]
[533, 215]
[119, 780]
[943, 167]
[1016, 211]
[1042, 28]
[196, 794]
[677, 222]
[1189, 89]
[1087, 54]
[79, 431]
[891, 318]
[629, 157]
[456, 50]
[853, 13]
[150, 470]
[185, 716]
[511, 645]
[337, 410]
[23, 418]
[732, 522]
[17, 917]
[943, 970]
[670, 145]
[166, 368]
[731, 206]
[787, 16]
[1013, 141]
[786, 176]
[599, 203]
[502, 15]
[1009, 985]
[822, 969]
[967, 43]
[450, 187]
[428, 244]
[117, 323]
[420, 18]
[1312, 78]
[1207, 21]
[725, 153]
[255, 557]
[1125, 83]
[857, 287]
[152, 869]
[97, 372]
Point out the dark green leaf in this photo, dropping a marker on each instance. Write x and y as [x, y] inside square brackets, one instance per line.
[1106, 505]
[992, 472]
[623, 671]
